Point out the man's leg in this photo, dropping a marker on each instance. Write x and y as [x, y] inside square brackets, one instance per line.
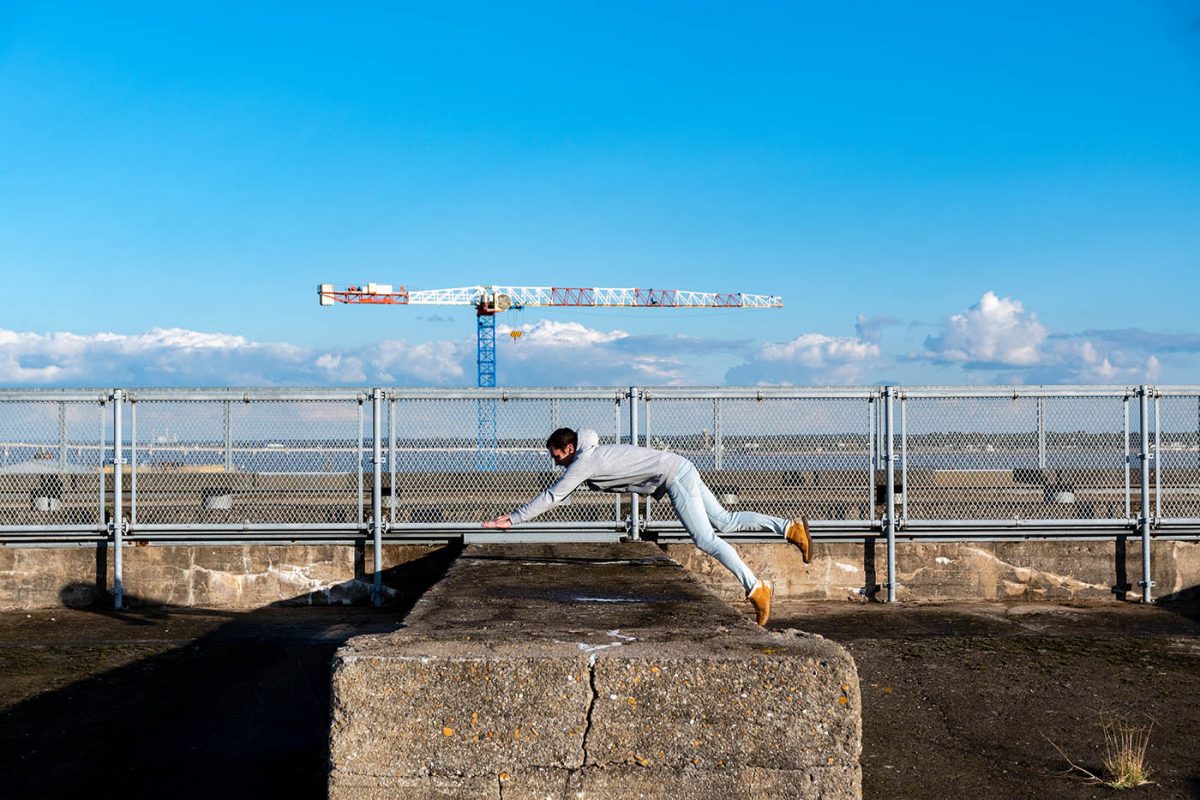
[795, 531]
[729, 521]
[686, 496]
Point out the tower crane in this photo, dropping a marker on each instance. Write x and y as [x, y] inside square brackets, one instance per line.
[492, 300]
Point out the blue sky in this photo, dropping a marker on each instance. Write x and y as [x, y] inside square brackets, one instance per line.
[949, 192]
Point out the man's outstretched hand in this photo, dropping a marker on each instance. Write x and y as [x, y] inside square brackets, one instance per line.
[502, 522]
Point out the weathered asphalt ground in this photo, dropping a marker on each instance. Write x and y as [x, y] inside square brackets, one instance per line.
[956, 699]
[959, 701]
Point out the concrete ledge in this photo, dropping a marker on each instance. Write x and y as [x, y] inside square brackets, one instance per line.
[595, 671]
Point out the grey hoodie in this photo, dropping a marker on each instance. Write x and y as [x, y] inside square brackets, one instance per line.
[606, 468]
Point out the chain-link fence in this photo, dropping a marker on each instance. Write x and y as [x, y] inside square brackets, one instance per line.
[440, 473]
[299, 463]
[222, 459]
[52, 463]
[241, 465]
[787, 453]
[1002, 456]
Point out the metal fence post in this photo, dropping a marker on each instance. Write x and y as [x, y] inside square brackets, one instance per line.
[1144, 415]
[1157, 461]
[133, 461]
[646, 439]
[634, 530]
[358, 460]
[1128, 460]
[377, 521]
[890, 477]
[101, 447]
[62, 437]
[872, 462]
[228, 438]
[903, 458]
[116, 526]
[1041, 432]
[391, 457]
[718, 444]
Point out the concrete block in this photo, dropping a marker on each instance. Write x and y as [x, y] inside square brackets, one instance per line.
[589, 671]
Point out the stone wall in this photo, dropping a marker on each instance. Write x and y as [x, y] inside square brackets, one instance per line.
[1028, 570]
[221, 576]
[252, 576]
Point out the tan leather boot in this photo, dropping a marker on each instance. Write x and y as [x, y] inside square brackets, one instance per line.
[797, 534]
[760, 598]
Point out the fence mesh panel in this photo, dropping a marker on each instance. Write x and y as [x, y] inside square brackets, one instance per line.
[263, 462]
[1178, 468]
[229, 459]
[777, 455]
[1003, 458]
[51, 462]
[438, 473]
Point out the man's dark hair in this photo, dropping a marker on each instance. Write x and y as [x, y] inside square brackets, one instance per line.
[561, 438]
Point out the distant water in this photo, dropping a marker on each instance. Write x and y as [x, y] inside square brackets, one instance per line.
[342, 458]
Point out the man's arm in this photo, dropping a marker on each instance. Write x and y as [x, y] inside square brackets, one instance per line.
[575, 475]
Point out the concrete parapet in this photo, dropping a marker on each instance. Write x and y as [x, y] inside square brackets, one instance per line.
[593, 671]
[215, 576]
[1063, 571]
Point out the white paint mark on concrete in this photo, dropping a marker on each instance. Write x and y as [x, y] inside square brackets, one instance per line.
[592, 649]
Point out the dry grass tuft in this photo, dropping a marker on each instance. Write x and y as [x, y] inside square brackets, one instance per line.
[1125, 745]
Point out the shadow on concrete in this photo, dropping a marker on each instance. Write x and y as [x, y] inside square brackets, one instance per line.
[1121, 585]
[1185, 603]
[240, 710]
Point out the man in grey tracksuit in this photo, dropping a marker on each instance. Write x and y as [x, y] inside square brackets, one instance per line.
[645, 471]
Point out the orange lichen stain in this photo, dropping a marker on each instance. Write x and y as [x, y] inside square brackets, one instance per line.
[516, 733]
[695, 761]
[661, 755]
[655, 670]
[447, 731]
[474, 718]
[791, 698]
[846, 688]
[695, 742]
[641, 760]
[887, 690]
[843, 700]
[830, 760]
[504, 776]
[631, 700]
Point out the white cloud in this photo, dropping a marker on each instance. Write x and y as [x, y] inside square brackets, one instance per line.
[554, 334]
[553, 353]
[998, 340]
[995, 331]
[440, 363]
[811, 358]
[994, 341]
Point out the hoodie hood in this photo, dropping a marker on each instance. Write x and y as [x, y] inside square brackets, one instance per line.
[586, 439]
